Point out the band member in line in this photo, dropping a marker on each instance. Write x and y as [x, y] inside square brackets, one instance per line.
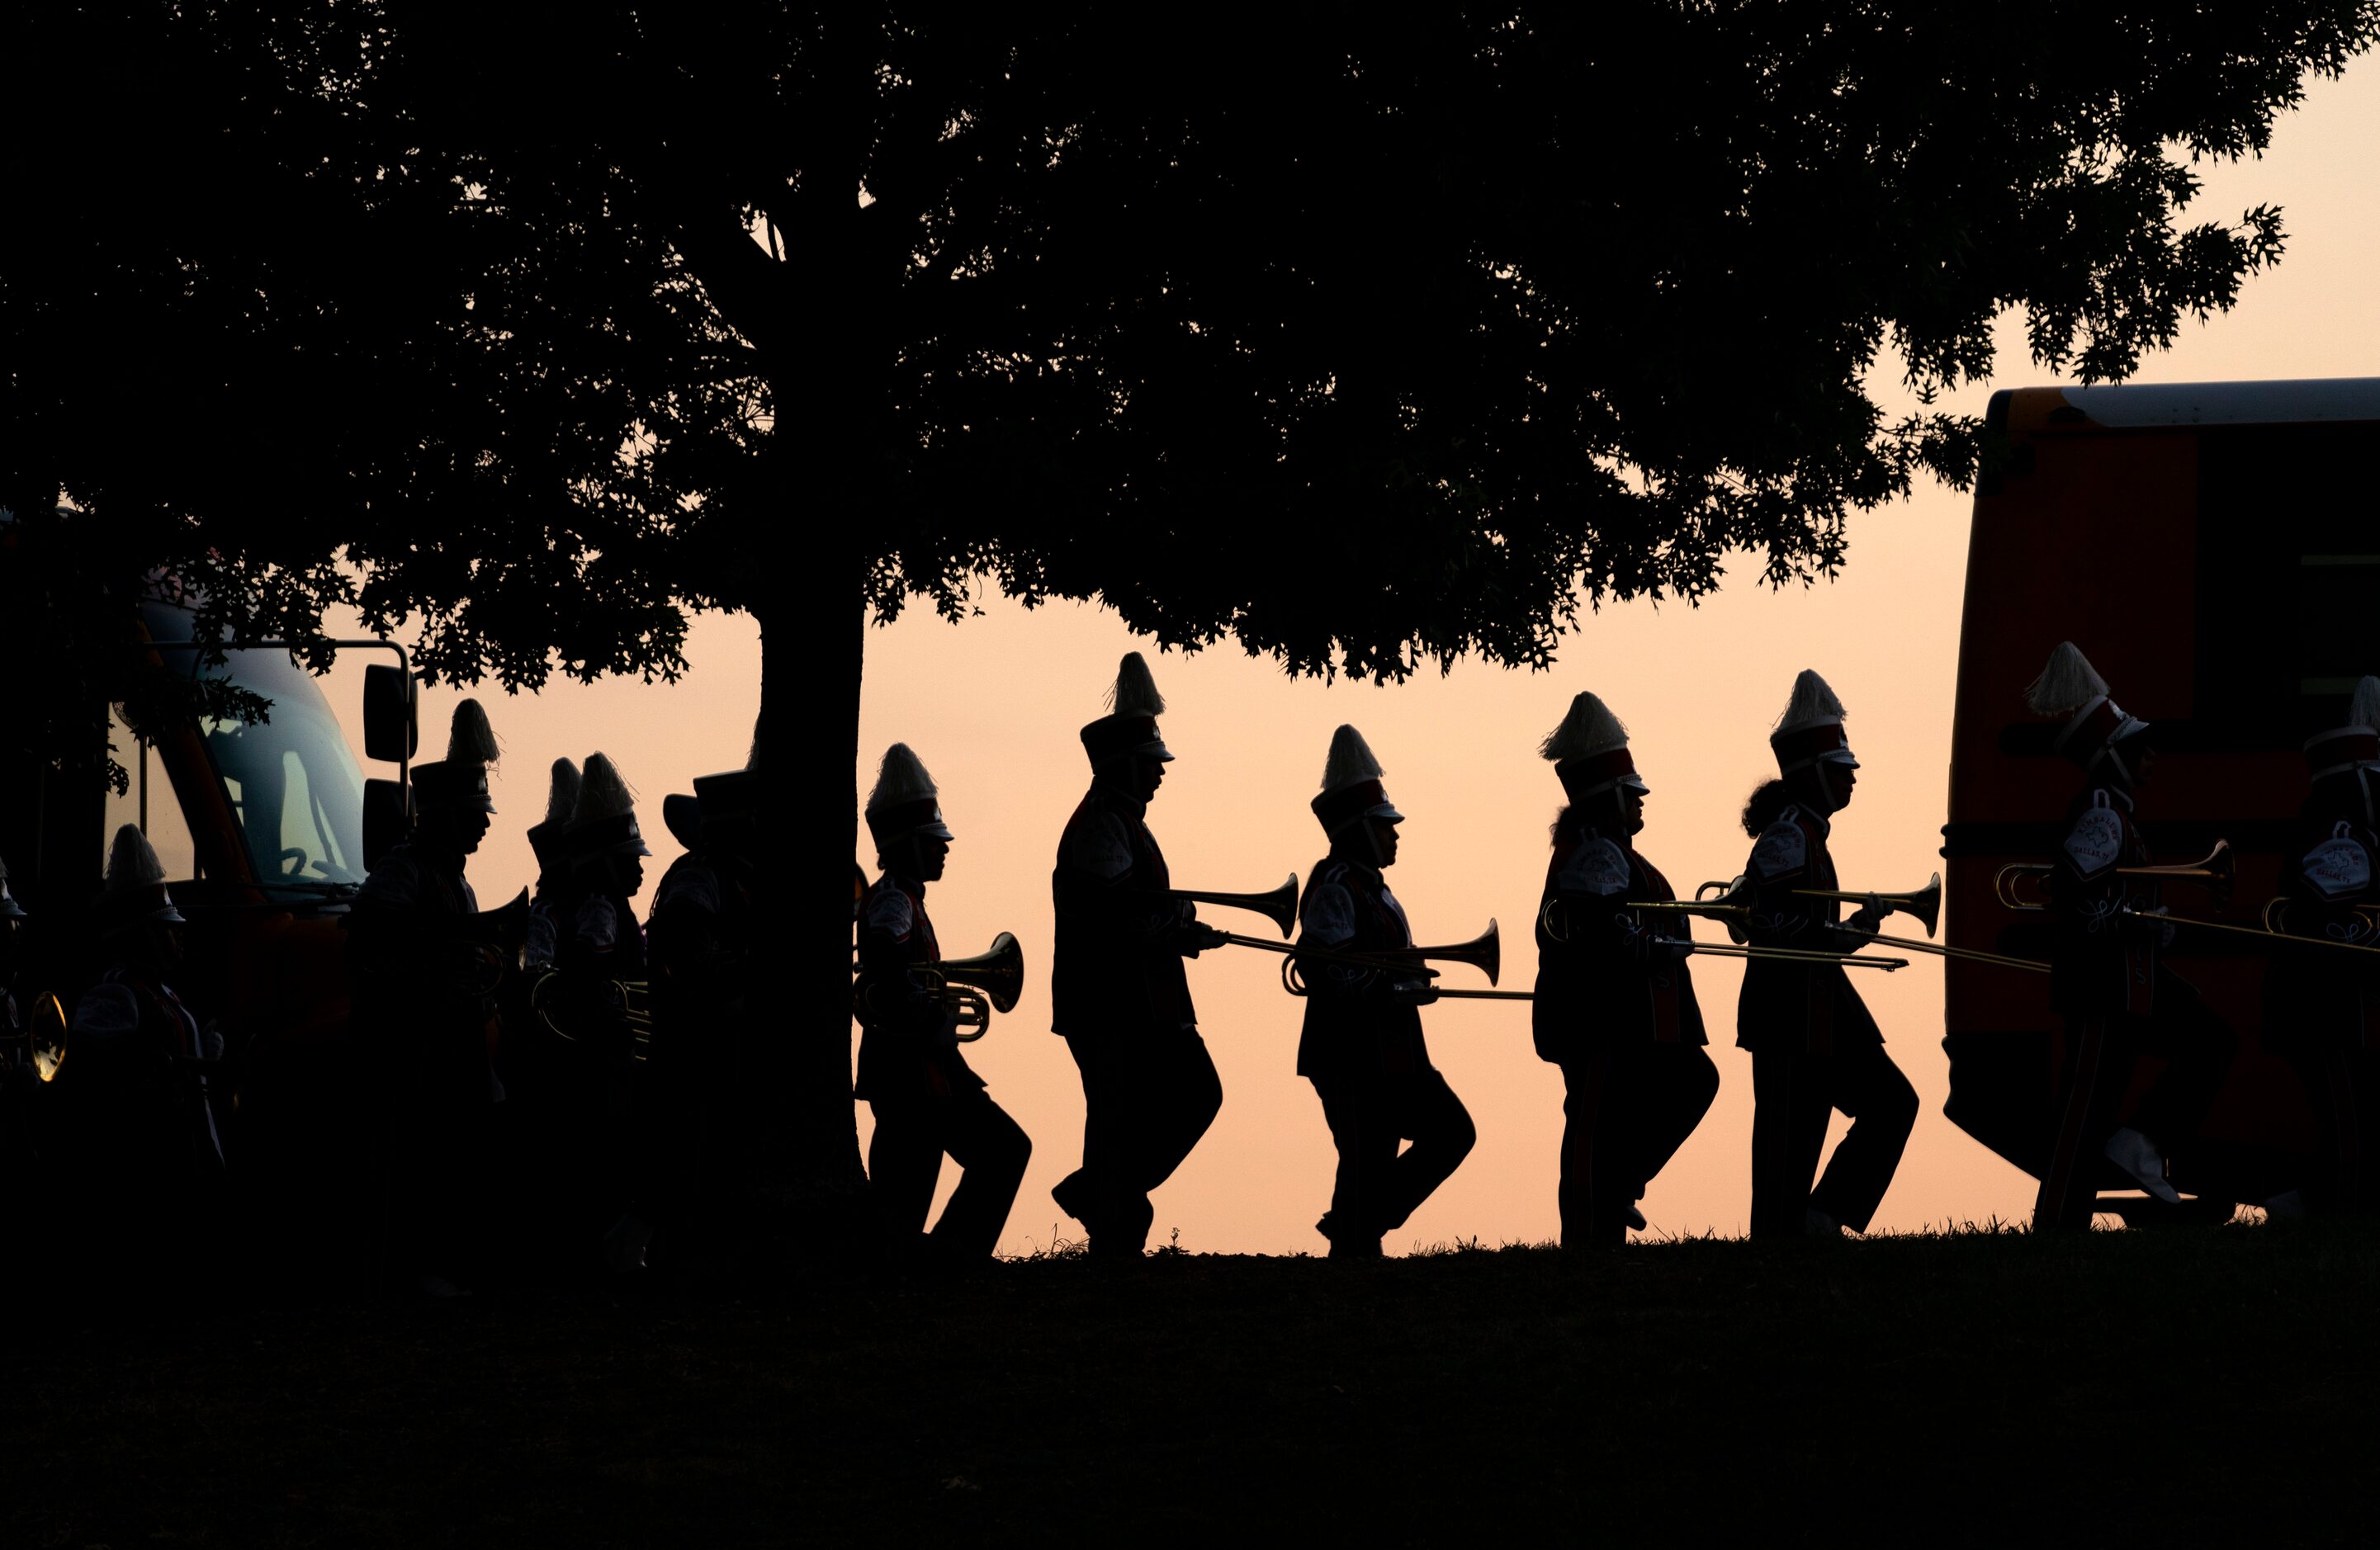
[927, 1102]
[1362, 1047]
[1118, 993]
[1615, 1007]
[1814, 1048]
[426, 966]
[2321, 1007]
[553, 869]
[2106, 977]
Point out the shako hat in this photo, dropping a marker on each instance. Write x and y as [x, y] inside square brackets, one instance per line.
[2353, 746]
[1589, 750]
[1351, 785]
[905, 801]
[1810, 730]
[460, 780]
[1130, 725]
[135, 888]
[9, 908]
[682, 816]
[2072, 688]
[732, 796]
[561, 796]
[604, 819]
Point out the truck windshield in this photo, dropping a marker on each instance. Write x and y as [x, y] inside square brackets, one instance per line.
[291, 779]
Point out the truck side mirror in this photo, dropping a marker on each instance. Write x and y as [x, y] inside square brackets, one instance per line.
[384, 819]
[392, 729]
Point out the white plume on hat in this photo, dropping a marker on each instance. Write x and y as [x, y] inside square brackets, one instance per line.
[1135, 692]
[562, 793]
[1814, 704]
[603, 792]
[2364, 710]
[132, 861]
[1590, 729]
[900, 777]
[472, 741]
[2066, 685]
[1351, 761]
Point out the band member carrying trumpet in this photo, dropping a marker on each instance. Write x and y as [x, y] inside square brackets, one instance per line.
[1615, 1007]
[1117, 990]
[1814, 1048]
[2106, 979]
[926, 1101]
[1362, 1047]
[2322, 1010]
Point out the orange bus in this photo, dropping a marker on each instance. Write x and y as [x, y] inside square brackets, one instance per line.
[2212, 548]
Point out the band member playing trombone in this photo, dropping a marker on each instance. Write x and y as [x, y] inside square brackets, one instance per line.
[1814, 1048]
[1117, 990]
[927, 1102]
[1362, 1047]
[2322, 1010]
[1615, 1007]
[2106, 977]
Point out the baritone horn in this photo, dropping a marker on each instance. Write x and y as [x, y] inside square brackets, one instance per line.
[1279, 905]
[973, 988]
[633, 997]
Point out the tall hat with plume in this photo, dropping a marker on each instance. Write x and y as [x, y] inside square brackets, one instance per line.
[1351, 785]
[561, 797]
[1130, 725]
[460, 780]
[1810, 730]
[2069, 686]
[9, 908]
[1590, 751]
[136, 881]
[728, 803]
[604, 819]
[905, 801]
[2353, 746]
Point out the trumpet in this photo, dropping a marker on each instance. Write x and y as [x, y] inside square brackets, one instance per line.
[2214, 870]
[1279, 905]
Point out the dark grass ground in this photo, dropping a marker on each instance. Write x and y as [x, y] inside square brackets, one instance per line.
[2156, 1387]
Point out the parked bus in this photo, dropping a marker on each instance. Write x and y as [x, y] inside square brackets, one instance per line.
[2214, 551]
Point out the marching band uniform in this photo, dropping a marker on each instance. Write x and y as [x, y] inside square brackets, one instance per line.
[425, 965]
[1118, 993]
[1615, 1007]
[1814, 1048]
[927, 1103]
[20, 1079]
[553, 869]
[1362, 1044]
[2107, 978]
[2322, 1010]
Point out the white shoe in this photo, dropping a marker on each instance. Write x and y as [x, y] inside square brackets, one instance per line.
[2137, 1155]
[1819, 1225]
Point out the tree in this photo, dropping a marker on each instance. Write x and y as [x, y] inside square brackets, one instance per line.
[1398, 334]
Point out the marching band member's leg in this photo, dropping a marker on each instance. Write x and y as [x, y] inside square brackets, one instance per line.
[1118, 992]
[1867, 1086]
[1615, 1005]
[1361, 1046]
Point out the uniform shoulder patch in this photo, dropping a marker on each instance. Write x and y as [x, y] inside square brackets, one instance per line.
[1598, 866]
[108, 1009]
[2338, 866]
[1097, 846]
[2096, 840]
[888, 912]
[1782, 851]
[1327, 916]
[598, 925]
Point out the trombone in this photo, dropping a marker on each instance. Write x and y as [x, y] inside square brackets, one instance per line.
[1483, 952]
[2266, 933]
[1969, 954]
[1733, 914]
[2216, 869]
[1924, 904]
[1279, 905]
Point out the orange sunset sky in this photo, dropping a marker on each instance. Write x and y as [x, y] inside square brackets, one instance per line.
[993, 704]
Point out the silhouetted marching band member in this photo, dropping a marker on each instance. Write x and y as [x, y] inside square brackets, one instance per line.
[2322, 1008]
[144, 1137]
[926, 1101]
[1615, 1008]
[2106, 977]
[1362, 1047]
[1814, 1048]
[553, 866]
[1117, 990]
[425, 967]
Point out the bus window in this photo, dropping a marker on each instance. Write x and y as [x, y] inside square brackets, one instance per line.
[163, 824]
[292, 782]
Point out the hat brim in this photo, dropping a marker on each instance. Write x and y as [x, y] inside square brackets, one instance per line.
[1842, 757]
[1635, 783]
[1386, 812]
[937, 829]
